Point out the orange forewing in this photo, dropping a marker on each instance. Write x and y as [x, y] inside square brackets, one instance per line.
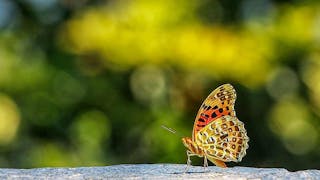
[220, 102]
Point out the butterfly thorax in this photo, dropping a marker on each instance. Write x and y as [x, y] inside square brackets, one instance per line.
[192, 146]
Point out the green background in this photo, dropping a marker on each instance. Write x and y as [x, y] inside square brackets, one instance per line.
[89, 83]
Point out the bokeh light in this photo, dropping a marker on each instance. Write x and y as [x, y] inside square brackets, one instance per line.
[9, 119]
[276, 86]
[90, 131]
[173, 37]
[148, 84]
[290, 120]
[311, 76]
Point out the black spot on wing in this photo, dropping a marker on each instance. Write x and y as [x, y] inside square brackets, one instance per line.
[224, 136]
[204, 106]
[213, 115]
[201, 120]
[201, 125]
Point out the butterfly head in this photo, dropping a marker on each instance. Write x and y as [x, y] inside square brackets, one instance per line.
[188, 143]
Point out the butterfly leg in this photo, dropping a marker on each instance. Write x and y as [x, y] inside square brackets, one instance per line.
[205, 163]
[189, 154]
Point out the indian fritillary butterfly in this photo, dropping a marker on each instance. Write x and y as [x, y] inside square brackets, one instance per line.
[218, 135]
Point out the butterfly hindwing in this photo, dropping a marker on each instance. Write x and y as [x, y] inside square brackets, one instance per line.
[224, 139]
[220, 102]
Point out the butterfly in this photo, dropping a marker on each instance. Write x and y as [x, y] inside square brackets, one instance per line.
[218, 135]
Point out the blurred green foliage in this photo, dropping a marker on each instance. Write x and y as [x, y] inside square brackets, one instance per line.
[90, 82]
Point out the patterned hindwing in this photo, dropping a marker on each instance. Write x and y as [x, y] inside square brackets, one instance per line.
[220, 102]
[224, 139]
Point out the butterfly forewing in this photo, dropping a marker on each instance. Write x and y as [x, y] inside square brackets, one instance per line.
[224, 139]
[220, 102]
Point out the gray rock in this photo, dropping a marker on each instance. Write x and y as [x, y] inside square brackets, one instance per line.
[157, 171]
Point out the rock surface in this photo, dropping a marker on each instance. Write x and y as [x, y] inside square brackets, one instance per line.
[157, 171]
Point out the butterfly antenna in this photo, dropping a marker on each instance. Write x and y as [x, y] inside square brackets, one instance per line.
[171, 130]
